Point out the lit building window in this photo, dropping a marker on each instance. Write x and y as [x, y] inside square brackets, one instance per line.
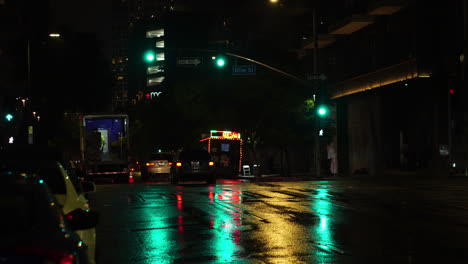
[155, 33]
[160, 56]
[160, 44]
[119, 77]
[155, 81]
[155, 69]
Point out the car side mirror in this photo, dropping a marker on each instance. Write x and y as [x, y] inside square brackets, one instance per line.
[80, 219]
[88, 186]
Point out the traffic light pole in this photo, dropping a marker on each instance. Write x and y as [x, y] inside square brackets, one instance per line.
[30, 135]
[318, 98]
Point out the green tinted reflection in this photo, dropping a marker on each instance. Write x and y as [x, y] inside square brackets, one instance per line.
[226, 223]
[322, 231]
[160, 243]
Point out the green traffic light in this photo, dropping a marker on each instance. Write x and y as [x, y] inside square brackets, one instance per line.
[322, 111]
[149, 56]
[9, 117]
[220, 62]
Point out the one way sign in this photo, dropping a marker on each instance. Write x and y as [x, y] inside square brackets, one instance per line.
[190, 62]
[316, 76]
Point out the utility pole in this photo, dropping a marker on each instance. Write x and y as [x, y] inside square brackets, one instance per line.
[30, 137]
[318, 96]
[464, 82]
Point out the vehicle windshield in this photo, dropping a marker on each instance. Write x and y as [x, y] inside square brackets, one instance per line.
[161, 156]
[194, 155]
[48, 171]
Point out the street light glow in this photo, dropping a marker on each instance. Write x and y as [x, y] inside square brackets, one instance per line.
[54, 35]
[273, 1]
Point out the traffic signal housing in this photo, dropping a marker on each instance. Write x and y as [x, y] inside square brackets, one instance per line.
[220, 61]
[323, 111]
[149, 56]
[8, 117]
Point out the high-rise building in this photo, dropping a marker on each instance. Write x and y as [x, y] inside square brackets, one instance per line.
[138, 27]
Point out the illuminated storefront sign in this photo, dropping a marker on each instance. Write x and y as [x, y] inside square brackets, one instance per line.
[224, 134]
[152, 95]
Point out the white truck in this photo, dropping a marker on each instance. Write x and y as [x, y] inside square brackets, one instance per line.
[104, 145]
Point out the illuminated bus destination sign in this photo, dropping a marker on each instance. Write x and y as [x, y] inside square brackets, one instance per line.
[225, 134]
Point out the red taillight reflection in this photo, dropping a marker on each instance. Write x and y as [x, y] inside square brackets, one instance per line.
[211, 163]
[149, 164]
[179, 164]
[53, 256]
[131, 179]
[68, 259]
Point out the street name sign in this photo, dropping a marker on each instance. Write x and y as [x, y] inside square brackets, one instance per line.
[244, 70]
[316, 76]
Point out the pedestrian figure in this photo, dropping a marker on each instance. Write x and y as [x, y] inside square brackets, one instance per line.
[332, 159]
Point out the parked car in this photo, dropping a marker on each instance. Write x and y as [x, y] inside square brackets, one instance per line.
[35, 230]
[194, 164]
[159, 164]
[68, 189]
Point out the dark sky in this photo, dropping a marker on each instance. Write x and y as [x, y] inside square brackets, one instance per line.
[86, 16]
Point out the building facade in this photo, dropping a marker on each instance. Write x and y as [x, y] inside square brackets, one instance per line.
[395, 76]
[137, 27]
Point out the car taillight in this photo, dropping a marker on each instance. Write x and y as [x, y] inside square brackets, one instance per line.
[170, 163]
[211, 163]
[179, 164]
[149, 164]
[53, 256]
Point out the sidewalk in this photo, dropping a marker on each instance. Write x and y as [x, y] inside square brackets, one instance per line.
[291, 177]
[386, 176]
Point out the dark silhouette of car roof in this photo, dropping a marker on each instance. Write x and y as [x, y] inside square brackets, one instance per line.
[194, 154]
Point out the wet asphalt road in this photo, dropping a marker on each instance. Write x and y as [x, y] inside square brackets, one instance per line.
[338, 221]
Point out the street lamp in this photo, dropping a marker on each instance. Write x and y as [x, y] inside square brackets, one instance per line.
[54, 35]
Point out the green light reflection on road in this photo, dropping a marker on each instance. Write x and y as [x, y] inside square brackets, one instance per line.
[322, 233]
[226, 224]
[159, 244]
